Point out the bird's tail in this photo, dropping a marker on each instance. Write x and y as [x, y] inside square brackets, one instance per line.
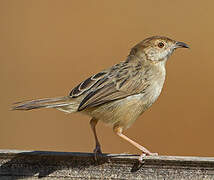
[66, 104]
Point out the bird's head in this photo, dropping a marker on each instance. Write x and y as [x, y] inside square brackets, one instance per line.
[156, 48]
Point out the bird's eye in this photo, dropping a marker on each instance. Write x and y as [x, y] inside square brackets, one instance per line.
[160, 45]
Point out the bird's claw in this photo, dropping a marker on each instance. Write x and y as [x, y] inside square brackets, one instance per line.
[141, 158]
[97, 152]
[146, 154]
[153, 154]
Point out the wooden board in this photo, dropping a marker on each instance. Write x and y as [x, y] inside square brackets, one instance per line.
[16, 164]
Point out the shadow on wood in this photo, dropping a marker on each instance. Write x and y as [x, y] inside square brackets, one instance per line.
[37, 164]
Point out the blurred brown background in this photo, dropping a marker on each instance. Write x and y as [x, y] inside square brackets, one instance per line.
[48, 46]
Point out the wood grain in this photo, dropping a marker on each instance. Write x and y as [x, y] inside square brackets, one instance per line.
[16, 164]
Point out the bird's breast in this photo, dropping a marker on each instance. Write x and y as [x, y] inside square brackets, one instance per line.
[154, 89]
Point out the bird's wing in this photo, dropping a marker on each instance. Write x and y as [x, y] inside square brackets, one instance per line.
[120, 81]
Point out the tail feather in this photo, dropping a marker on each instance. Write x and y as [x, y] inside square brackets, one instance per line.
[59, 103]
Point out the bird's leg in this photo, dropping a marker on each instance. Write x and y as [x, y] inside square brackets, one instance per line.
[119, 130]
[97, 149]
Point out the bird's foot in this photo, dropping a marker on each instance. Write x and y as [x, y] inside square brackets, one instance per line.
[146, 154]
[97, 152]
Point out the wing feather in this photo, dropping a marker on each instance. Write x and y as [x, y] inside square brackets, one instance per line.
[118, 82]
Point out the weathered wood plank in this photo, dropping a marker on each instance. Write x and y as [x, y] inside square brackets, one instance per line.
[68, 165]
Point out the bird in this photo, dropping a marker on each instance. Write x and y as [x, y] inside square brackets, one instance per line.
[118, 95]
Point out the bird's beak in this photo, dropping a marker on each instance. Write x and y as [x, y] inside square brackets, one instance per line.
[181, 45]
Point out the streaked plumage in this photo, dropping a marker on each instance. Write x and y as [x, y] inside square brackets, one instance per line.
[120, 94]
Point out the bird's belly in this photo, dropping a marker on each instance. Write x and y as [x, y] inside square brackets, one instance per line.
[125, 111]
[120, 112]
